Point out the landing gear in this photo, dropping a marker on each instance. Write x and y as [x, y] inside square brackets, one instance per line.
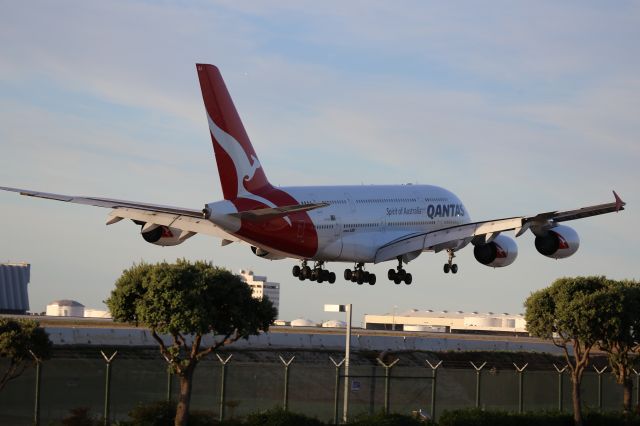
[450, 266]
[318, 274]
[359, 275]
[398, 275]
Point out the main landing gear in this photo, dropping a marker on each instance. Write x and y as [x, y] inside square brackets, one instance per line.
[399, 275]
[450, 266]
[304, 272]
[359, 275]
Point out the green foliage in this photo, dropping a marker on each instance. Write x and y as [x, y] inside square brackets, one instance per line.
[382, 419]
[572, 308]
[279, 417]
[17, 339]
[162, 413]
[476, 417]
[186, 297]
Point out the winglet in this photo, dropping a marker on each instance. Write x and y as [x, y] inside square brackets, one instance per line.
[619, 203]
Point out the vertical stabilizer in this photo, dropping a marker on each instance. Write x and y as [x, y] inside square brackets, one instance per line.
[241, 174]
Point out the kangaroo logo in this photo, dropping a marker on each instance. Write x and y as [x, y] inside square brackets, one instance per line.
[245, 168]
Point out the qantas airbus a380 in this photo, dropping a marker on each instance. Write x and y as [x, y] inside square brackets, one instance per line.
[355, 224]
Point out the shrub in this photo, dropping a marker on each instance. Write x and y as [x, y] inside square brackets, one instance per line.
[163, 413]
[79, 417]
[476, 417]
[279, 417]
[382, 419]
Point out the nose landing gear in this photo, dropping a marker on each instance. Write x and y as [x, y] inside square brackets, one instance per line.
[450, 266]
[359, 275]
[399, 275]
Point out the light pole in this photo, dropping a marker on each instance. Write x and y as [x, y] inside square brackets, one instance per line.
[347, 352]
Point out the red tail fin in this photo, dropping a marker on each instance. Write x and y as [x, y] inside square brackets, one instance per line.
[238, 165]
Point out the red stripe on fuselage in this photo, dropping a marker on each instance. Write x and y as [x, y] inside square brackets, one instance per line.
[298, 238]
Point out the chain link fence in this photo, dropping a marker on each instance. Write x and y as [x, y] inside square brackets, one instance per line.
[312, 388]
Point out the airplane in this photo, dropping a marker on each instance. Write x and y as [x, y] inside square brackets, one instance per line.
[321, 224]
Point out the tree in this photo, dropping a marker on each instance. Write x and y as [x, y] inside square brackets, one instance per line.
[621, 332]
[571, 312]
[20, 340]
[188, 301]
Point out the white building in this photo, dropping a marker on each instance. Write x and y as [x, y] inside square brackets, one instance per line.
[448, 322]
[262, 288]
[65, 308]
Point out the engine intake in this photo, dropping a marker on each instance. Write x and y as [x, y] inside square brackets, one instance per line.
[260, 252]
[558, 243]
[164, 236]
[500, 252]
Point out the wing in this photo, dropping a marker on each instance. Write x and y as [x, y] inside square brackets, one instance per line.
[487, 230]
[188, 220]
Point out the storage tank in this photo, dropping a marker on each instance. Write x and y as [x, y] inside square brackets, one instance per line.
[334, 324]
[65, 308]
[14, 278]
[302, 322]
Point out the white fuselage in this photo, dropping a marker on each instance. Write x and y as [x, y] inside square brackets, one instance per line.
[361, 219]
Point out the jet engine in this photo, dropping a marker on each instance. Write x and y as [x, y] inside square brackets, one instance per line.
[161, 235]
[558, 242]
[502, 251]
[266, 254]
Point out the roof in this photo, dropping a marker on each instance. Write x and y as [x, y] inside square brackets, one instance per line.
[66, 302]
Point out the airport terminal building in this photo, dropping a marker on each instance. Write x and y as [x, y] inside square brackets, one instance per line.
[448, 322]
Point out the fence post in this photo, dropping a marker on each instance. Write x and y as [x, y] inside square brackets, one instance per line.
[434, 371]
[387, 375]
[520, 387]
[478, 370]
[169, 383]
[36, 404]
[600, 385]
[223, 380]
[637, 386]
[107, 386]
[336, 389]
[286, 382]
[560, 396]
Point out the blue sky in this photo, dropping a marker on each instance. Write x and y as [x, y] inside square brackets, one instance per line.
[518, 108]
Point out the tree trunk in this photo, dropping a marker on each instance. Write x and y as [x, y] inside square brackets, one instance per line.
[627, 390]
[577, 400]
[186, 383]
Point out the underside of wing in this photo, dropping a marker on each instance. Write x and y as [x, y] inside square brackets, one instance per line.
[190, 221]
[484, 232]
[440, 238]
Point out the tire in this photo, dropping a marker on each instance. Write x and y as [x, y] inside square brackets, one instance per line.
[296, 271]
[372, 279]
[408, 279]
[391, 274]
[454, 269]
[348, 273]
[397, 280]
[365, 276]
[301, 277]
[332, 277]
[402, 273]
[446, 268]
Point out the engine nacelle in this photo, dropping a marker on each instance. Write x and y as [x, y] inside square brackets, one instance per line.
[500, 252]
[164, 236]
[558, 242]
[266, 254]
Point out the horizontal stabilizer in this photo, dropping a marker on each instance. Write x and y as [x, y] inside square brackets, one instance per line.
[259, 215]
